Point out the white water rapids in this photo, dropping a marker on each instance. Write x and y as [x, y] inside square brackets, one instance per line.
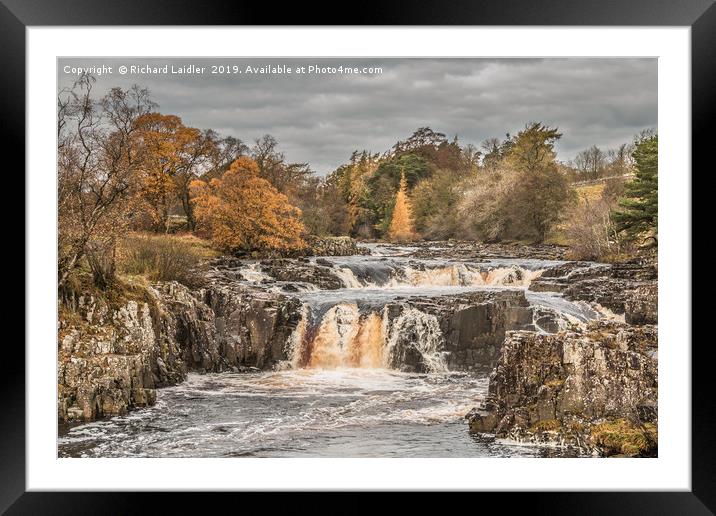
[349, 327]
[337, 395]
[301, 413]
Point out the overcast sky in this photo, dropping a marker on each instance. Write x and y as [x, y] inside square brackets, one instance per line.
[320, 118]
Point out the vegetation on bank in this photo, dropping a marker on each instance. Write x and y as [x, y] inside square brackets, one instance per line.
[164, 257]
[130, 176]
[624, 438]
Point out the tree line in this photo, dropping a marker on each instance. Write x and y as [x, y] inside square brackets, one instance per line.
[512, 189]
[125, 166]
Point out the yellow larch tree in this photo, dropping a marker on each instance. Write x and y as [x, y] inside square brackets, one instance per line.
[401, 224]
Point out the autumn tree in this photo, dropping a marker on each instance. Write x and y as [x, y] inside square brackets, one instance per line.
[401, 224]
[620, 159]
[384, 183]
[97, 165]
[226, 150]
[324, 212]
[524, 195]
[243, 212]
[352, 181]
[434, 203]
[471, 156]
[591, 162]
[171, 157]
[198, 155]
[431, 146]
[495, 151]
[273, 167]
[485, 208]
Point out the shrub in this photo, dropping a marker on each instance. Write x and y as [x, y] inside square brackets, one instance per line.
[591, 231]
[164, 257]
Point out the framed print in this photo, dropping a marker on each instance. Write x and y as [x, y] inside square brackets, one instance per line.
[430, 251]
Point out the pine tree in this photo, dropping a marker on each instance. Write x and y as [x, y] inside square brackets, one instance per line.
[639, 207]
[401, 224]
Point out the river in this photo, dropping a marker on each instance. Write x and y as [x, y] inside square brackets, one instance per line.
[340, 392]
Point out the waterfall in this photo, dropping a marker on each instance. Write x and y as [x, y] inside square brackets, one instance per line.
[414, 329]
[365, 319]
[296, 340]
[511, 276]
[345, 337]
[451, 275]
[347, 277]
[366, 350]
[342, 338]
[389, 273]
[332, 343]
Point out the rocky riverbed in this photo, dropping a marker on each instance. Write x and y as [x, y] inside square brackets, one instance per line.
[487, 312]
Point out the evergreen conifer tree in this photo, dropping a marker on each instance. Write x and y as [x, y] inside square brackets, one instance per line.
[639, 206]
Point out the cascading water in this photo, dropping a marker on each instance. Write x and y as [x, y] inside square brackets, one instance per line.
[352, 383]
[349, 327]
[396, 274]
[426, 339]
[344, 337]
[253, 273]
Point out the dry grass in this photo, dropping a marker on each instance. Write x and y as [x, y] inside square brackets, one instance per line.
[621, 437]
[164, 257]
[590, 193]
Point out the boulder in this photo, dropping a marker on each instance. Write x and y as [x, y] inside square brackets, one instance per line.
[335, 246]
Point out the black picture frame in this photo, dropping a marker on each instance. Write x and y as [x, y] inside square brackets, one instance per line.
[700, 15]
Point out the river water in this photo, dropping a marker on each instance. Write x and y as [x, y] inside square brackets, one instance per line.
[343, 400]
[302, 413]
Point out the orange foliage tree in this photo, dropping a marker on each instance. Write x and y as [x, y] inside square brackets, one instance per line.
[170, 154]
[401, 224]
[243, 212]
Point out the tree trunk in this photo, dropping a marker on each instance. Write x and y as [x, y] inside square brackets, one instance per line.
[102, 260]
[188, 211]
[68, 269]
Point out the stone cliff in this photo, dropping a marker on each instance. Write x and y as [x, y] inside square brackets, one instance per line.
[593, 389]
[113, 359]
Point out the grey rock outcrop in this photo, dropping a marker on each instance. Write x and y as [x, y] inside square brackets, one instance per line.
[301, 271]
[472, 250]
[335, 246]
[118, 359]
[628, 288]
[562, 387]
[106, 367]
[471, 326]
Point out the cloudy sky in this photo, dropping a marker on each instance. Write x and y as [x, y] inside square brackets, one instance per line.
[321, 117]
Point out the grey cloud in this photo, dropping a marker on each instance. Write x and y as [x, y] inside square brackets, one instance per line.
[321, 119]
